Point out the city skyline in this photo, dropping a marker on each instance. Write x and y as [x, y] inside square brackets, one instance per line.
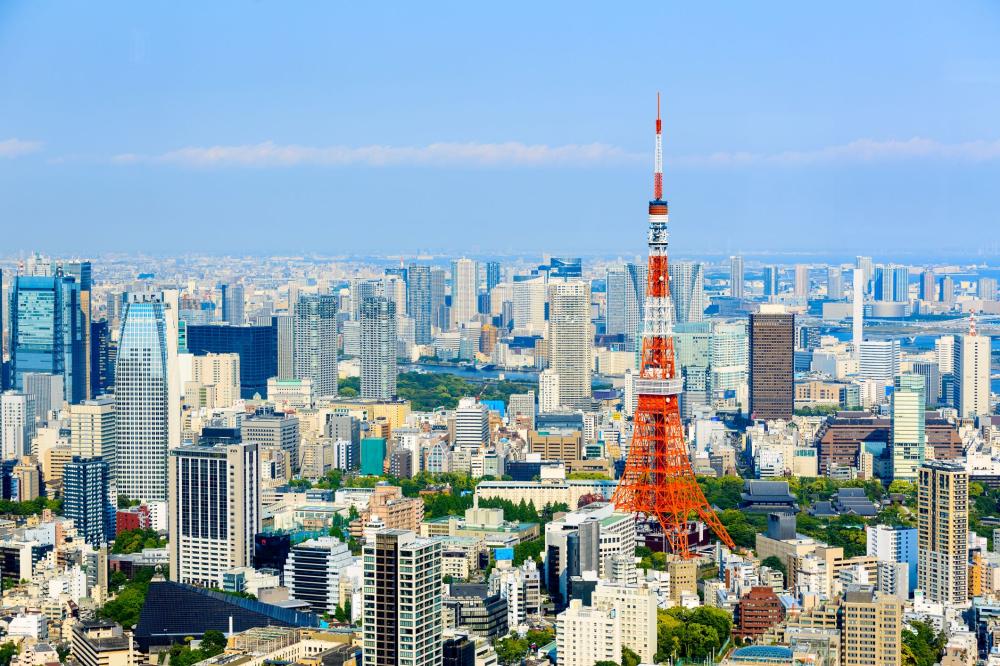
[172, 127]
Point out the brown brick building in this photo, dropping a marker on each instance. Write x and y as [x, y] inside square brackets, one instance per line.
[758, 610]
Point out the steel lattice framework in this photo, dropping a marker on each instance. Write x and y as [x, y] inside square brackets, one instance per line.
[658, 480]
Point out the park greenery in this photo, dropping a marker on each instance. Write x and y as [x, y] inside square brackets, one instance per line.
[30, 507]
[127, 605]
[922, 644]
[7, 652]
[211, 644]
[134, 541]
[513, 648]
[429, 391]
[691, 634]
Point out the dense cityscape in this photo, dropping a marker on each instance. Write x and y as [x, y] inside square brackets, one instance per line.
[401, 334]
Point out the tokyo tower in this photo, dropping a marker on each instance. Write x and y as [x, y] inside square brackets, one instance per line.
[658, 480]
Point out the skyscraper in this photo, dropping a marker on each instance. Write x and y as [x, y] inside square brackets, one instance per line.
[987, 289]
[82, 272]
[834, 283]
[928, 286]
[17, 424]
[402, 600]
[972, 373]
[801, 282]
[492, 275]
[440, 316]
[314, 571]
[895, 544]
[102, 358]
[626, 296]
[879, 359]
[418, 302]
[147, 395]
[736, 276]
[464, 290]
[378, 348]
[943, 531]
[866, 265]
[908, 440]
[316, 342]
[284, 325]
[529, 303]
[548, 391]
[687, 287]
[772, 333]
[570, 342]
[946, 290]
[233, 304]
[46, 332]
[93, 431]
[214, 511]
[255, 345]
[87, 499]
[770, 280]
[472, 424]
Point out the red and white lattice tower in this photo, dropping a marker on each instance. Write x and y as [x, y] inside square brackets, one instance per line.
[658, 481]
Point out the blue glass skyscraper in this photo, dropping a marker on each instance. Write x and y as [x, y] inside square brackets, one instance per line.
[46, 332]
[86, 500]
[419, 302]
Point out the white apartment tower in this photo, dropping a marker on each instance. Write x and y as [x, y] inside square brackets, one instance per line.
[17, 424]
[214, 511]
[636, 609]
[548, 391]
[570, 342]
[972, 374]
[587, 635]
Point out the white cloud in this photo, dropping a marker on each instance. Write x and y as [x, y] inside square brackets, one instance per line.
[17, 147]
[859, 151]
[270, 154]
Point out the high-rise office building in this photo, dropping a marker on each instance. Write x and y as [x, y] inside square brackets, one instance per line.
[284, 325]
[932, 379]
[46, 332]
[834, 283]
[472, 424]
[82, 272]
[687, 290]
[529, 302]
[17, 424]
[492, 270]
[801, 282]
[879, 359]
[147, 395]
[946, 290]
[47, 390]
[93, 431]
[464, 290]
[102, 358]
[233, 304]
[314, 571]
[972, 374]
[866, 265]
[402, 600]
[378, 348]
[943, 531]
[771, 379]
[928, 286]
[214, 511]
[892, 283]
[908, 439]
[570, 342]
[255, 345]
[987, 289]
[626, 297]
[418, 302]
[221, 372]
[770, 281]
[736, 276]
[440, 316]
[316, 342]
[87, 499]
[872, 628]
[276, 430]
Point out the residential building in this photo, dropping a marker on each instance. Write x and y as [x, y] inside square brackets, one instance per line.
[587, 635]
[378, 348]
[87, 499]
[570, 342]
[402, 600]
[314, 572]
[464, 291]
[17, 424]
[872, 628]
[972, 374]
[736, 278]
[316, 342]
[636, 609]
[943, 530]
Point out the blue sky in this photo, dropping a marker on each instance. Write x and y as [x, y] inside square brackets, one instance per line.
[258, 127]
